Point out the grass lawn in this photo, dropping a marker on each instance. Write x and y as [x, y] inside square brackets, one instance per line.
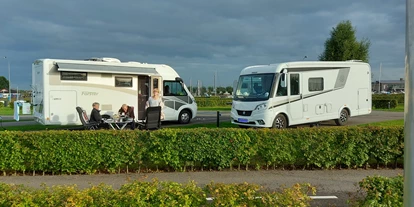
[6, 111]
[209, 125]
[224, 108]
[399, 122]
[39, 127]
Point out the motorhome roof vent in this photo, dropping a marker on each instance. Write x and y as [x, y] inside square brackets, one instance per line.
[104, 59]
[134, 62]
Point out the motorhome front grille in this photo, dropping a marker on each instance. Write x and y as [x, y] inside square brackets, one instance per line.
[244, 113]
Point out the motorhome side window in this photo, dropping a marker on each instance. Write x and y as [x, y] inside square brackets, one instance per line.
[123, 81]
[294, 84]
[282, 87]
[315, 84]
[174, 88]
[73, 76]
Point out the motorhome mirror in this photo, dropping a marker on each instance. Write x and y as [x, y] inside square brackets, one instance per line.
[178, 79]
[283, 80]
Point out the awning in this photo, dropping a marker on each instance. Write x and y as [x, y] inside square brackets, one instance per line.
[92, 68]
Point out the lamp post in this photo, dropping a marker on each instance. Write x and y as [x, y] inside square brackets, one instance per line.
[8, 64]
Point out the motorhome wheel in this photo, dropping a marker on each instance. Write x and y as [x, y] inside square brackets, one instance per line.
[184, 117]
[280, 122]
[343, 118]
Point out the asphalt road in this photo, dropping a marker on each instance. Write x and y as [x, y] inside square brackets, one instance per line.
[211, 117]
[339, 183]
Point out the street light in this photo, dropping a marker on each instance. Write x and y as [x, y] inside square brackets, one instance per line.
[8, 63]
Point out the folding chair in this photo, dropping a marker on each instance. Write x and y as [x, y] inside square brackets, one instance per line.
[85, 120]
[152, 118]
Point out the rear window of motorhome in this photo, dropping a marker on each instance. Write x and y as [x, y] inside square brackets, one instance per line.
[75, 76]
[315, 84]
[123, 81]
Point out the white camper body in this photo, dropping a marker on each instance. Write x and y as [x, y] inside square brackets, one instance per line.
[59, 86]
[293, 93]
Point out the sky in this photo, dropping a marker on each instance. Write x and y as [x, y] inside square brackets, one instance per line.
[196, 38]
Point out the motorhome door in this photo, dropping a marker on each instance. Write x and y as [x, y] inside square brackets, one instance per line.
[143, 95]
[295, 106]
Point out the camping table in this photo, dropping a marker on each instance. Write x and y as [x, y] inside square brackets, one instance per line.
[118, 124]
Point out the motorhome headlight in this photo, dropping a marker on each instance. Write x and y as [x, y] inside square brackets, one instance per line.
[261, 107]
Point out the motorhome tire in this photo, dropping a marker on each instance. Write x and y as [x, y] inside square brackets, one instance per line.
[184, 117]
[280, 122]
[343, 118]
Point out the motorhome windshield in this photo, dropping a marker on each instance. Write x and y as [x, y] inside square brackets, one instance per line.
[254, 87]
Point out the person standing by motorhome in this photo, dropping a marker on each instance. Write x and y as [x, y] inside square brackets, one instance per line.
[155, 100]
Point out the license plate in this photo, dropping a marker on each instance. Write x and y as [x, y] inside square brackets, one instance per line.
[242, 120]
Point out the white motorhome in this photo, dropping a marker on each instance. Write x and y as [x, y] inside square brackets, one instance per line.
[293, 93]
[59, 86]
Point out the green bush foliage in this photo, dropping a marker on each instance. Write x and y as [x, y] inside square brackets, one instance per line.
[399, 97]
[66, 152]
[213, 102]
[155, 193]
[379, 191]
[384, 104]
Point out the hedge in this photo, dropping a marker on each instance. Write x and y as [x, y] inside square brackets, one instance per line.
[66, 152]
[399, 97]
[155, 193]
[379, 191]
[213, 102]
[384, 104]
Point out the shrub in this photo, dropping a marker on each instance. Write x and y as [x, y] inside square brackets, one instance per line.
[379, 191]
[66, 152]
[213, 102]
[155, 193]
[384, 104]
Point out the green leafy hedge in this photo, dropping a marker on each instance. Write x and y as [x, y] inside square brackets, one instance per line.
[155, 194]
[399, 97]
[384, 104]
[379, 191]
[213, 102]
[188, 149]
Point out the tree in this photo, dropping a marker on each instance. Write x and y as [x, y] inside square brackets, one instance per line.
[229, 89]
[4, 83]
[343, 45]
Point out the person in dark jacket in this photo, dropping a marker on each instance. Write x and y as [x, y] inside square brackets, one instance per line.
[128, 111]
[96, 116]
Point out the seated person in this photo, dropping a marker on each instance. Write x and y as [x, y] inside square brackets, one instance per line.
[128, 111]
[96, 116]
[167, 91]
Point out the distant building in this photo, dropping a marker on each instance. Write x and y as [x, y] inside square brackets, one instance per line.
[389, 85]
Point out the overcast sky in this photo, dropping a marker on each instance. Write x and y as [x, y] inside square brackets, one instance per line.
[196, 38]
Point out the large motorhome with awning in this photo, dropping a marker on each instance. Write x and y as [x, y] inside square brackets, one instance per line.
[59, 86]
[292, 93]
